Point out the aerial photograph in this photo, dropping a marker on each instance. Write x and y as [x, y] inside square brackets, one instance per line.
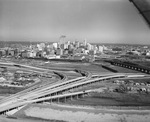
[74, 60]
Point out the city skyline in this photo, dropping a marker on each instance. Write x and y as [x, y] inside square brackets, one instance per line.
[103, 21]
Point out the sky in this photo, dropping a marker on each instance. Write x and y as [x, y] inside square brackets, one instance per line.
[98, 21]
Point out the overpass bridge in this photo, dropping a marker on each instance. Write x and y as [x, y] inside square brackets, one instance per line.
[40, 87]
[131, 66]
[59, 90]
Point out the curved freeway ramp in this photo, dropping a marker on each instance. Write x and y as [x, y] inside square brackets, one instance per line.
[43, 92]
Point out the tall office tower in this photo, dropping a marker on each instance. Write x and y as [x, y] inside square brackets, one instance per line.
[94, 47]
[68, 42]
[101, 49]
[77, 44]
[84, 43]
[65, 46]
[55, 45]
[62, 46]
[104, 47]
[89, 46]
[62, 39]
[70, 47]
[41, 46]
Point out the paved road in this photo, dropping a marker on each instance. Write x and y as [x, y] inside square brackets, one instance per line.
[56, 90]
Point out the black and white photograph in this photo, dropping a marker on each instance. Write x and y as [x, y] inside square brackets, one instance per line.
[74, 60]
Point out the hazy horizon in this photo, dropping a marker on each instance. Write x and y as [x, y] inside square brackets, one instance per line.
[99, 21]
[50, 42]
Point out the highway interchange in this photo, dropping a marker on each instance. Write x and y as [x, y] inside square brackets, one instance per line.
[55, 90]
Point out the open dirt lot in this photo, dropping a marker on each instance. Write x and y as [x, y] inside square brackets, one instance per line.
[68, 113]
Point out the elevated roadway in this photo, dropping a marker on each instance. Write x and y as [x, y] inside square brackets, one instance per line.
[47, 91]
[44, 87]
[130, 65]
[54, 90]
[41, 86]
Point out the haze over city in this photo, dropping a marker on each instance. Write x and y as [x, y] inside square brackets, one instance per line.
[106, 21]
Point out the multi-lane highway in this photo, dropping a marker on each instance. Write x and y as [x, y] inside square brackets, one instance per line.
[58, 89]
[39, 87]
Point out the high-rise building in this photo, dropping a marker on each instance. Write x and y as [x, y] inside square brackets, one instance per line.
[84, 43]
[89, 46]
[77, 44]
[70, 47]
[68, 42]
[55, 45]
[105, 48]
[59, 52]
[41, 46]
[62, 39]
[101, 48]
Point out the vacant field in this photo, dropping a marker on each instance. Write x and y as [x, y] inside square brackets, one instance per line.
[10, 90]
[63, 113]
[113, 99]
[84, 66]
[144, 63]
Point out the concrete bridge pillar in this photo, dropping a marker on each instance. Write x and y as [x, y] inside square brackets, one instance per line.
[77, 96]
[71, 97]
[58, 100]
[51, 100]
[83, 95]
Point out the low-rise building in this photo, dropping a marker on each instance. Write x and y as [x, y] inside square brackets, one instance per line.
[11, 52]
[24, 54]
[32, 54]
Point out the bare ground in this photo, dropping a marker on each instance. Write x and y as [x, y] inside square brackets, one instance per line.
[82, 114]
